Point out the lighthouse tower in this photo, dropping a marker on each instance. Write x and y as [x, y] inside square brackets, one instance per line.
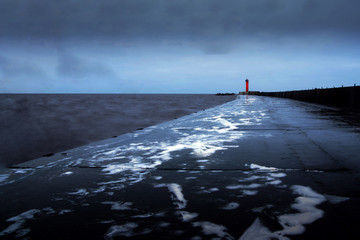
[247, 86]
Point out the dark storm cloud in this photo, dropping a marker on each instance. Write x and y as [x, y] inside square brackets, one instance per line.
[186, 19]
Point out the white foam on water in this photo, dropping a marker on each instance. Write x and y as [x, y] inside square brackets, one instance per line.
[119, 205]
[213, 189]
[19, 221]
[66, 173]
[231, 206]
[250, 186]
[209, 228]
[178, 196]
[81, 192]
[157, 177]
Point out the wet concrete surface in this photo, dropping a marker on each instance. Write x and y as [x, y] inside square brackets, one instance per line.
[253, 168]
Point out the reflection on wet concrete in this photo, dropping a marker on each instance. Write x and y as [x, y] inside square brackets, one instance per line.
[254, 168]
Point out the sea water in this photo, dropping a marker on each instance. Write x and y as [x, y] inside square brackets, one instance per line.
[33, 125]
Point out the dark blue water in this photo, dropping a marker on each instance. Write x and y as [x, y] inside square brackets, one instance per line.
[32, 125]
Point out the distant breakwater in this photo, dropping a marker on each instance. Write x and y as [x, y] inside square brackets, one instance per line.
[344, 97]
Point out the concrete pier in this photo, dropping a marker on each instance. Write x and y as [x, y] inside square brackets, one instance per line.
[344, 97]
[254, 168]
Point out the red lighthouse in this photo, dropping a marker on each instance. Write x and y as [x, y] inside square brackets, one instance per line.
[247, 85]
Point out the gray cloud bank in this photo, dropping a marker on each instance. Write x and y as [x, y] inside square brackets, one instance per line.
[185, 19]
[187, 46]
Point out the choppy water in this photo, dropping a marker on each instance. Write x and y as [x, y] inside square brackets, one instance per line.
[32, 125]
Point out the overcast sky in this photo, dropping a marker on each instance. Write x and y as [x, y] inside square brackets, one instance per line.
[177, 46]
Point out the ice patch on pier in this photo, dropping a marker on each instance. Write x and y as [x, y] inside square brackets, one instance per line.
[262, 168]
[177, 194]
[80, 192]
[187, 216]
[66, 173]
[250, 186]
[125, 230]
[119, 205]
[18, 222]
[3, 177]
[293, 223]
[209, 228]
[231, 206]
